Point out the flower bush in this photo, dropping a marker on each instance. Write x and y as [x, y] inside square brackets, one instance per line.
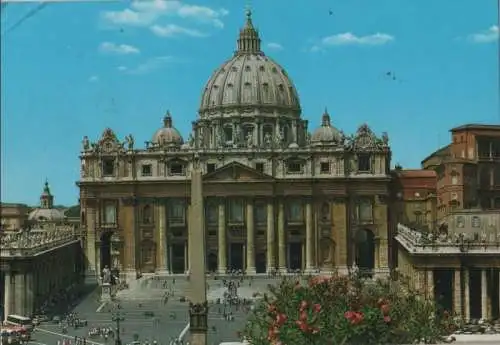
[345, 310]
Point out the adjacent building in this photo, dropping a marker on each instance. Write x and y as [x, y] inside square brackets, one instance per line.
[277, 197]
[447, 219]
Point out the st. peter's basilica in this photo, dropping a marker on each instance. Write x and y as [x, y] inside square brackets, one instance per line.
[277, 198]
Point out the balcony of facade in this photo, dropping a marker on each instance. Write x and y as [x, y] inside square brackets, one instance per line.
[488, 149]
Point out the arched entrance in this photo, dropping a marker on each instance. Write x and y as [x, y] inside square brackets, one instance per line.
[105, 249]
[212, 262]
[365, 250]
[260, 263]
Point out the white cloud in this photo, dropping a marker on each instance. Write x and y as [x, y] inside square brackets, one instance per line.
[486, 36]
[148, 66]
[93, 79]
[148, 13]
[171, 30]
[274, 46]
[349, 38]
[121, 49]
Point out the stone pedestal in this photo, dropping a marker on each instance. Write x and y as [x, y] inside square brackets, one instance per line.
[106, 292]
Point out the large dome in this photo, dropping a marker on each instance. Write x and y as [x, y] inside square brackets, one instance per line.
[250, 79]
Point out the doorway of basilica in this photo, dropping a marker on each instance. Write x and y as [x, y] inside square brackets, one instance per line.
[178, 258]
[295, 255]
[236, 256]
[148, 256]
[260, 263]
[212, 262]
[105, 249]
[365, 251]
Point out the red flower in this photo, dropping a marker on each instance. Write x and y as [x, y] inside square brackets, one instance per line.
[354, 317]
[317, 307]
[303, 316]
[387, 319]
[302, 325]
[281, 319]
[385, 309]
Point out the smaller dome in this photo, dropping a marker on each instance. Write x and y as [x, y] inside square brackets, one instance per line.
[326, 134]
[167, 135]
[46, 215]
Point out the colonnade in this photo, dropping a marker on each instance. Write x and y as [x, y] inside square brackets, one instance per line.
[33, 280]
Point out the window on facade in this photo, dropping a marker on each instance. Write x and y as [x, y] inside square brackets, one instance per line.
[83, 219]
[325, 167]
[365, 211]
[259, 167]
[147, 214]
[267, 130]
[228, 134]
[364, 163]
[419, 218]
[109, 213]
[260, 213]
[210, 167]
[236, 211]
[147, 170]
[286, 134]
[454, 180]
[294, 167]
[460, 222]
[212, 214]
[176, 169]
[108, 167]
[247, 132]
[476, 222]
[177, 212]
[496, 203]
[295, 211]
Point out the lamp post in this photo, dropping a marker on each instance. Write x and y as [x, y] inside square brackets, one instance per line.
[117, 317]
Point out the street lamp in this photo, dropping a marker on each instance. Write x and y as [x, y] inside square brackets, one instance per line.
[117, 317]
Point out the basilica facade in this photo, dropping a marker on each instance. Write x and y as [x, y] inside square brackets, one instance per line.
[277, 196]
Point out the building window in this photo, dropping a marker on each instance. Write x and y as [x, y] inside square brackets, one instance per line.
[364, 163]
[108, 167]
[212, 214]
[176, 169]
[177, 212]
[260, 213]
[325, 167]
[325, 212]
[109, 213]
[460, 222]
[147, 170]
[236, 211]
[259, 167]
[365, 211]
[294, 167]
[476, 222]
[228, 134]
[454, 180]
[210, 168]
[419, 217]
[147, 215]
[267, 131]
[295, 211]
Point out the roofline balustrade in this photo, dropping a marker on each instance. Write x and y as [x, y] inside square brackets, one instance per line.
[421, 243]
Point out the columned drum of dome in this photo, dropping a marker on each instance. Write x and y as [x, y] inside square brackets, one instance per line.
[276, 197]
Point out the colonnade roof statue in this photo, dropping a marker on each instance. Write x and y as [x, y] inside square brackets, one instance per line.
[37, 238]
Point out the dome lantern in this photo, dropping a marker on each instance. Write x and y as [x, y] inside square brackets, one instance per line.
[167, 120]
[249, 40]
[46, 199]
[325, 120]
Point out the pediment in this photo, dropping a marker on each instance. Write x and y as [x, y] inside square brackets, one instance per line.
[237, 172]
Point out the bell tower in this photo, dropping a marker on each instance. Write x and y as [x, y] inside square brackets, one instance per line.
[46, 199]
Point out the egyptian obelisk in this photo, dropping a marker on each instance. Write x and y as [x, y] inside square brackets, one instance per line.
[198, 308]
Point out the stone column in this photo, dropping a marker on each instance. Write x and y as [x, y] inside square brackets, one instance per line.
[7, 298]
[484, 294]
[221, 236]
[339, 232]
[457, 292]
[162, 255]
[30, 291]
[430, 283]
[271, 258]
[90, 242]
[20, 294]
[466, 294]
[129, 234]
[282, 265]
[250, 245]
[309, 238]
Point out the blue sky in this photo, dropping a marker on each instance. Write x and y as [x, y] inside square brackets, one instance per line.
[73, 69]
